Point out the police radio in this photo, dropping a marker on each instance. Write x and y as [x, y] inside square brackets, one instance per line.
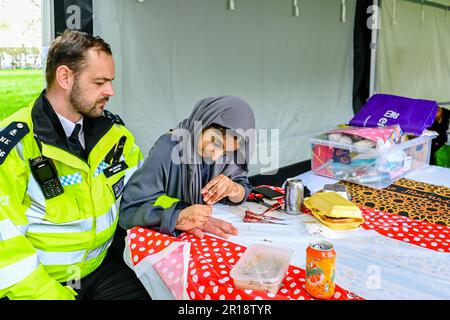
[46, 175]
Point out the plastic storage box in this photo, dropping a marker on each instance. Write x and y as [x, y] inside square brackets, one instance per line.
[369, 166]
[262, 267]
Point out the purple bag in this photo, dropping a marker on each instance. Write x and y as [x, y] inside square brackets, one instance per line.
[413, 115]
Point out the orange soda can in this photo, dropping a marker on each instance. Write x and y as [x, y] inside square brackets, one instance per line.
[320, 269]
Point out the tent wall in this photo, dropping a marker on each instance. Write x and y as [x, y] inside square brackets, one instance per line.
[414, 49]
[296, 72]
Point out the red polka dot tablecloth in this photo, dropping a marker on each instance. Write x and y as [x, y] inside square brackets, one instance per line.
[420, 233]
[208, 273]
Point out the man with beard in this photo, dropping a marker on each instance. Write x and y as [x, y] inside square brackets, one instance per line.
[63, 165]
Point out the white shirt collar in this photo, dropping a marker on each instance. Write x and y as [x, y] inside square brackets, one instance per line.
[68, 125]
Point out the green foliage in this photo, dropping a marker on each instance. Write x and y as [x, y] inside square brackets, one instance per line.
[18, 89]
[443, 156]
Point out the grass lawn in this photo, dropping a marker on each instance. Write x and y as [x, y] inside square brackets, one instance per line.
[19, 88]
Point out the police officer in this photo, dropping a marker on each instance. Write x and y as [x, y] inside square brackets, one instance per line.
[63, 166]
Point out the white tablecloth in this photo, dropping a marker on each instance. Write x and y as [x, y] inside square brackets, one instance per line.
[369, 264]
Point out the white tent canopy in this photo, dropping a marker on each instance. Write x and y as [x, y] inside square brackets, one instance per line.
[291, 60]
[296, 72]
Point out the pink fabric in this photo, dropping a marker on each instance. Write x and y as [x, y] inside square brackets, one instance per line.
[372, 134]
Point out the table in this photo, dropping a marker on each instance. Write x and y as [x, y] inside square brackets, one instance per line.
[430, 174]
[369, 263]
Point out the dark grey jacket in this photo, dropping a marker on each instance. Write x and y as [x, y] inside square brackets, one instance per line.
[157, 177]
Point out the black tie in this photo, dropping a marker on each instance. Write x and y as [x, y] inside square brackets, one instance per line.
[75, 144]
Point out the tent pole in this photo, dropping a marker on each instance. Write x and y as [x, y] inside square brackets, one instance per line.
[373, 46]
[48, 28]
[48, 24]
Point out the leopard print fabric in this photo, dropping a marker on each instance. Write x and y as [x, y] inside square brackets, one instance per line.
[412, 199]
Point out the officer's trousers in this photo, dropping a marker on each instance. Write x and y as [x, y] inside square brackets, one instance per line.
[113, 279]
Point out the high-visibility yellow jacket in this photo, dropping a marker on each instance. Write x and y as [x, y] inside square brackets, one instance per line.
[46, 243]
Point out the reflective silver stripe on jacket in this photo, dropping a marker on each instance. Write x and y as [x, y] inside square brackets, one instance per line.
[9, 230]
[16, 272]
[49, 258]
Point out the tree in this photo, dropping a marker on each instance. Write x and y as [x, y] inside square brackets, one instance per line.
[2, 55]
[33, 29]
[7, 52]
[4, 25]
[17, 55]
[36, 54]
[21, 54]
[36, 3]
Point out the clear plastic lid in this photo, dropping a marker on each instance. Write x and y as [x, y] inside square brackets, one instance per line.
[262, 263]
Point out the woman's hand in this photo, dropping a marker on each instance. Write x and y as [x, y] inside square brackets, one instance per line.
[193, 217]
[214, 226]
[221, 187]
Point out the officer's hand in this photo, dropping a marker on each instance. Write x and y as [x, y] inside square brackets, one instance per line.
[193, 217]
[215, 226]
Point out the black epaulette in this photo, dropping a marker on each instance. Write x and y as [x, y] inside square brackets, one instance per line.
[10, 137]
[113, 117]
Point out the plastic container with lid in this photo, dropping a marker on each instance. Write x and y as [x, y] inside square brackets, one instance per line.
[366, 165]
[262, 267]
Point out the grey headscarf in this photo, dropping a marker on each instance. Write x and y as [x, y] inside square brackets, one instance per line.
[229, 112]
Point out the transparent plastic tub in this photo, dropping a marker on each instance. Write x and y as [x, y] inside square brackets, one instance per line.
[373, 167]
[262, 267]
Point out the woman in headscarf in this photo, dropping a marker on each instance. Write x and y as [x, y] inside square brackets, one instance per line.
[201, 162]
